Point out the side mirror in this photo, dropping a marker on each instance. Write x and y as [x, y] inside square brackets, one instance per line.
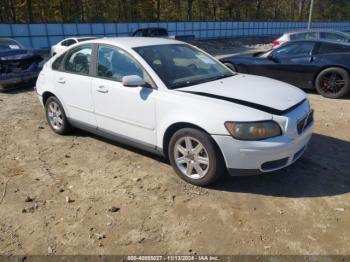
[133, 81]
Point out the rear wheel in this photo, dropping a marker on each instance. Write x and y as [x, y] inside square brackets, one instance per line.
[195, 157]
[231, 66]
[332, 82]
[56, 117]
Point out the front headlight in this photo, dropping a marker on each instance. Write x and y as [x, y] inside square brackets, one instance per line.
[253, 130]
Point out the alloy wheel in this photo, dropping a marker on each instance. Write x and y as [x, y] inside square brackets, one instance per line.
[55, 115]
[191, 157]
[332, 82]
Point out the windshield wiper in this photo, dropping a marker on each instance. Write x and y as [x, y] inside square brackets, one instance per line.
[218, 77]
[180, 85]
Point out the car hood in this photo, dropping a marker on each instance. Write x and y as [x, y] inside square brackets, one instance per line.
[18, 54]
[258, 92]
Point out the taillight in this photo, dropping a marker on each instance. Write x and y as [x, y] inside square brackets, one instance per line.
[275, 43]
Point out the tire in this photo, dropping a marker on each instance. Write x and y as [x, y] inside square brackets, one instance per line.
[231, 66]
[56, 117]
[333, 82]
[187, 162]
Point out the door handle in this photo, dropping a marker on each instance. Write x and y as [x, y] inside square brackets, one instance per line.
[61, 81]
[102, 89]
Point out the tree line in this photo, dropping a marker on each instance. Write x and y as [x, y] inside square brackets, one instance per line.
[76, 11]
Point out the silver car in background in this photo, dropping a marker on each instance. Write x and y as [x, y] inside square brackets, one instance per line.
[313, 34]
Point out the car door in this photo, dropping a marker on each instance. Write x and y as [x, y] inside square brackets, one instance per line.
[296, 64]
[73, 84]
[127, 112]
[293, 63]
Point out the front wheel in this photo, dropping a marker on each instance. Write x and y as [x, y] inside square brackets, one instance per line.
[333, 82]
[195, 157]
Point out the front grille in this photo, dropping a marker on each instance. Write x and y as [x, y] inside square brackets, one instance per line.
[16, 66]
[275, 164]
[305, 122]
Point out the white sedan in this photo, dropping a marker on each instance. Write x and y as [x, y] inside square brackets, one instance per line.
[66, 43]
[173, 99]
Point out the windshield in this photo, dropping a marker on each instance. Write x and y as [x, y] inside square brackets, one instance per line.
[182, 65]
[9, 44]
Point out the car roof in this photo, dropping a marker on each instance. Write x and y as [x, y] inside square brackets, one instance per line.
[84, 37]
[132, 42]
[316, 30]
[7, 39]
[147, 28]
[320, 41]
[79, 37]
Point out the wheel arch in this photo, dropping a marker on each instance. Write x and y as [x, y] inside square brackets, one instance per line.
[170, 131]
[46, 95]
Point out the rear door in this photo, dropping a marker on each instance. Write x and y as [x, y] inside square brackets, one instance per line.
[73, 84]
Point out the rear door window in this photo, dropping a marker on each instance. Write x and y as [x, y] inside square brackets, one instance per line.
[334, 36]
[78, 60]
[57, 63]
[303, 36]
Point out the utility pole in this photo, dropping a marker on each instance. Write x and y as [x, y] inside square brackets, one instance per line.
[310, 14]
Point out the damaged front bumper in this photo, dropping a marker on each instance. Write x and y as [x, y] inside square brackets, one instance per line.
[15, 80]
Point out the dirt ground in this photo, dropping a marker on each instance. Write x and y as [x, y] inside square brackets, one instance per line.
[57, 194]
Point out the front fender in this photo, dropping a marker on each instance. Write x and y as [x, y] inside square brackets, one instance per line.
[174, 107]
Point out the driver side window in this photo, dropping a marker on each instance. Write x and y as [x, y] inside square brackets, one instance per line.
[114, 63]
[295, 49]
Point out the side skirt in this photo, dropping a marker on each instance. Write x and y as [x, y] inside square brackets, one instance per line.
[117, 137]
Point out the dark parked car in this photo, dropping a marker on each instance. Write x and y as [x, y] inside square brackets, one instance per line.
[151, 32]
[18, 65]
[312, 64]
[313, 34]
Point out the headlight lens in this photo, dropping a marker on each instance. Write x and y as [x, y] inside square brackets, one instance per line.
[253, 130]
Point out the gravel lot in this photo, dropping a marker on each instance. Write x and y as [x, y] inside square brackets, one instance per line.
[81, 194]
